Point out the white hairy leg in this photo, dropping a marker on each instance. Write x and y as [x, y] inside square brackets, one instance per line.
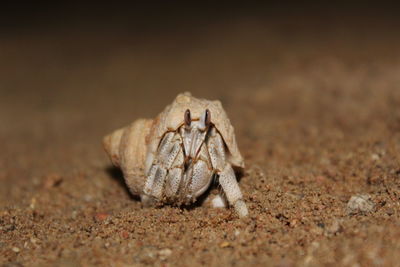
[167, 151]
[228, 182]
[202, 174]
[227, 178]
[174, 176]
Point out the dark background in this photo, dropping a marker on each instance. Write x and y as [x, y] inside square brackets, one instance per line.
[161, 15]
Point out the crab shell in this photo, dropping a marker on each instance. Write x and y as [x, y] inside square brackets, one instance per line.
[132, 148]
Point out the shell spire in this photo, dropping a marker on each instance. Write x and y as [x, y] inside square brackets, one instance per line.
[127, 149]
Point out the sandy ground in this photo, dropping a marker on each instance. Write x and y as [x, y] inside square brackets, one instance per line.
[316, 113]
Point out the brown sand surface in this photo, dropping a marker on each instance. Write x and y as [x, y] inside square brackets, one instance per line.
[315, 106]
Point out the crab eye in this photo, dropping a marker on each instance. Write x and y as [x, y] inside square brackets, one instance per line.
[187, 117]
[207, 119]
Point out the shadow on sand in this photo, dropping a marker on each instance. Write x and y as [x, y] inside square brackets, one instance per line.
[116, 174]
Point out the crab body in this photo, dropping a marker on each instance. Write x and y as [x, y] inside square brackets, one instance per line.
[175, 157]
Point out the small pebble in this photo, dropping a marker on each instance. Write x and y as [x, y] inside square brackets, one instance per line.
[293, 223]
[88, 197]
[164, 253]
[360, 204]
[389, 211]
[333, 228]
[125, 234]
[74, 214]
[101, 216]
[33, 203]
[224, 244]
[375, 156]
[52, 180]
[9, 227]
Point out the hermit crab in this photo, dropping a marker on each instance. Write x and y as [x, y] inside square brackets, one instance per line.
[175, 157]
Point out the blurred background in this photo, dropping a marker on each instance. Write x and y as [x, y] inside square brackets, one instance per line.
[72, 72]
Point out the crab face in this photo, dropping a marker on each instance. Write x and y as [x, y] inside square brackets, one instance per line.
[194, 133]
[182, 169]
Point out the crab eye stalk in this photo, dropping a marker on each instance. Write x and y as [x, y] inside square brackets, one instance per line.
[187, 117]
[205, 120]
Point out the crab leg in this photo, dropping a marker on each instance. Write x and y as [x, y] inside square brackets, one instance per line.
[166, 154]
[200, 175]
[174, 175]
[227, 178]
